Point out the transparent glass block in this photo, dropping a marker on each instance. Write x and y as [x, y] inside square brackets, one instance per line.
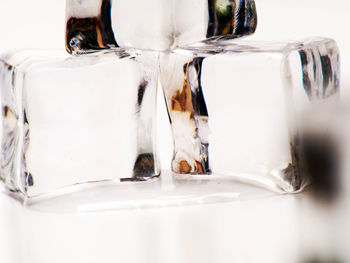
[68, 120]
[154, 24]
[235, 107]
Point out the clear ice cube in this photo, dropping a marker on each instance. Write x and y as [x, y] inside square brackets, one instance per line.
[154, 24]
[68, 120]
[235, 107]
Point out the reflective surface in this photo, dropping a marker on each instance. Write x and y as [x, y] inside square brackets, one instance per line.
[101, 224]
[235, 107]
[69, 120]
[222, 232]
[154, 24]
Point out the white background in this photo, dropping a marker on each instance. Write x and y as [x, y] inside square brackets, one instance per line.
[263, 230]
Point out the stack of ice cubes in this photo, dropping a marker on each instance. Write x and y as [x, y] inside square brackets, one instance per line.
[235, 106]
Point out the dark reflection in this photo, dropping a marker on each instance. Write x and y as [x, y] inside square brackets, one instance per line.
[320, 260]
[144, 166]
[106, 24]
[198, 100]
[141, 92]
[237, 18]
[317, 157]
[315, 64]
[91, 33]
[326, 70]
[29, 181]
[83, 33]
[306, 78]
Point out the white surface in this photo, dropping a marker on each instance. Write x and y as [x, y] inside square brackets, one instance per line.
[266, 229]
[222, 232]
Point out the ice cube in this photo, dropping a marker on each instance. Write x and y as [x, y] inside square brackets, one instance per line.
[235, 107]
[68, 120]
[154, 24]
